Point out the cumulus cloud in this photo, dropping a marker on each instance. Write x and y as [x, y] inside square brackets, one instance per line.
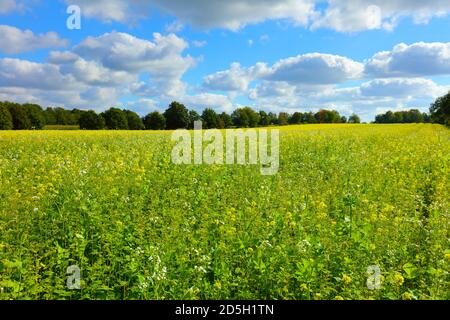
[7, 6]
[99, 70]
[360, 15]
[418, 59]
[316, 68]
[402, 88]
[340, 15]
[14, 40]
[205, 14]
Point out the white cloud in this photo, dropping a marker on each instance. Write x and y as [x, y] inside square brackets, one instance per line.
[418, 59]
[14, 40]
[205, 14]
[7, 6]
[316, 68]
[174, 27]
[202, 101]
[360, 15]
[199, 43]
[339, 15]
[402, 88]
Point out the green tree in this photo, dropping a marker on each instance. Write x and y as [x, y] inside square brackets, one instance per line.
[225, 121]
[115, 119]
[177, 116]
[210, 119]
[6, 120]
[354, 118]
[296, 118]
[193, 116]
[283, 119]
[90, 120]
[440, 110]
[155, 121]
[20, 117]
[36, 116]
[245, 118]
[134, 121]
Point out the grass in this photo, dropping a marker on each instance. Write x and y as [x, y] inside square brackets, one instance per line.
[62, 127]
[346, 197]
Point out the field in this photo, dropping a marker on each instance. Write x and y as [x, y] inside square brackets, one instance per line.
[346, 197]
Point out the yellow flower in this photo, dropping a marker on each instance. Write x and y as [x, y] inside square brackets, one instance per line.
[346, 279]
[338, 298]
[447, 256]
[407, 296]
[398, 279]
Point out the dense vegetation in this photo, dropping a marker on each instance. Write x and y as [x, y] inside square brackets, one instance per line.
[32, 116]
[345, 198]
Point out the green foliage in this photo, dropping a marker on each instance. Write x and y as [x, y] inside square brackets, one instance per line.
[283, 118]
[193, 116]
[410, 116]
[6, 121]
[19, 114]
[115, 119]
[440, 110]
[36, 116]
[210, 119]
[177, 116]
[134, 121]
[139, 227]
[245, 118]
[354, 118]
[89, 120]
[155, 121]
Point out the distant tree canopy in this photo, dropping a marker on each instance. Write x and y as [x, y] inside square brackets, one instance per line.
[177, 116]
[90, 120]
[440, 110]
[155, 121]
[134, 121]
[354, 118]
[6, 120]
[410, 116]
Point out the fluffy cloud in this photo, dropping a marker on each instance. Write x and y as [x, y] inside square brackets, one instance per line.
[402, 88]
[15, 41]
[230, 14]
[418, 59]
[316, 68]
[340, 15]
[100, 70]
[7, 6]
[360, 15]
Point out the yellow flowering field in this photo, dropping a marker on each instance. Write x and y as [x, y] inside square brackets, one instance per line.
[354, 212]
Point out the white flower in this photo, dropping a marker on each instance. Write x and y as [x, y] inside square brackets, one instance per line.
[35, 210]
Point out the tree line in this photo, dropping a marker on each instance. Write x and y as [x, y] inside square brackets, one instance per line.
[32, 116]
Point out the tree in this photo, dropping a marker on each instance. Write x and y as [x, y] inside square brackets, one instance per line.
[155, 121]
[134, 121]
[245, 118]
[283, 118]
[50, 116]
[89, 120]
[296, 118]
[225, 121]
[36, 116]
[309, 118]
[6, 120]
[177, 116]
[440, 110]
[115, 119]
[20, 117]
[354, 118]
[193, 116]
[210, 119]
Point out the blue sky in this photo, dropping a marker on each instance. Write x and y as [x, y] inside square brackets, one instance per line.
[286, 55]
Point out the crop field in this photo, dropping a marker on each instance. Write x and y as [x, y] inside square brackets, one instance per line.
[349, 204]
